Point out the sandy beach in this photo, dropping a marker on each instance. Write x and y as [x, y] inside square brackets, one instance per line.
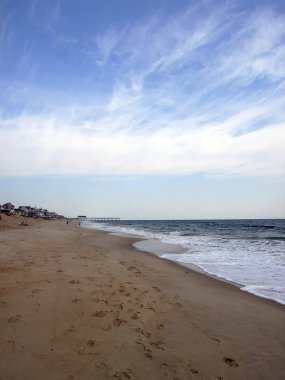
[82, 304]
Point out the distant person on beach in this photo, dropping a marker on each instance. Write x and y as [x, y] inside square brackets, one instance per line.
[67, 222]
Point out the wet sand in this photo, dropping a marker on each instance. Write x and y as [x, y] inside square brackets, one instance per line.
[81, 304]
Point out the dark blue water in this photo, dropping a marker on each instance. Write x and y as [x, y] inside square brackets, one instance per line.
[247, 229]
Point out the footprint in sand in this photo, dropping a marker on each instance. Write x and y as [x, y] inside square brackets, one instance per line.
[143, 332]
[134, 270]
[96, 300]
[123, 291]
[194, 371]
[217, 341]
[118, 322]
[135, 315]
[146, 351]
[70, 330]
[159, 345]
[10, 340]
[36, 304]
[148, 354]
[14, 318]
[36, 290]
[124, 375]
[76, 300]
[74, 282]
[106, 328]
[28, 263]
[99, 314]
[91, 278]
[231, 362]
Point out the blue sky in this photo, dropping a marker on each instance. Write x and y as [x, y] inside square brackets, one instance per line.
[154, 109]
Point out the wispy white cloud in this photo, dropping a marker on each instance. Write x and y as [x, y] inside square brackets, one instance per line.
[257, 50]
[197, 92]
[60, 147]
[6, 34]
[49, 10]
[45, 14]
[104, 45]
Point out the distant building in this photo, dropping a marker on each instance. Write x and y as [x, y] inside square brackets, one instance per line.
[29, 212]
[23, 210]
[8, 206]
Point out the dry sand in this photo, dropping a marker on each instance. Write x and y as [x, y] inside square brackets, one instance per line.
[79, 304]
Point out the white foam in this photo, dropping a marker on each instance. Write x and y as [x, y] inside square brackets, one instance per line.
[258, 265]
[120, 230]
[275, 294]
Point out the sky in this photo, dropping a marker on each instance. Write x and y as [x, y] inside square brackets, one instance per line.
[154, 109]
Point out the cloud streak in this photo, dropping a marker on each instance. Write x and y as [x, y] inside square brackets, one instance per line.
[47, 146]
[200, 92]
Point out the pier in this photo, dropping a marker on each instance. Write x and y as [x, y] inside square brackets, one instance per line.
[99, 219]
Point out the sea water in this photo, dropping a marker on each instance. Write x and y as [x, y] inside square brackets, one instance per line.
[248, 252]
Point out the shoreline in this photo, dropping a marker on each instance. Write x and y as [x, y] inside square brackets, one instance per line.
[145, 244]
[199, 271]
[79, 304]
[181, 267]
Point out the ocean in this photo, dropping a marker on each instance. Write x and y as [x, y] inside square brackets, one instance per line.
[250, 253]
